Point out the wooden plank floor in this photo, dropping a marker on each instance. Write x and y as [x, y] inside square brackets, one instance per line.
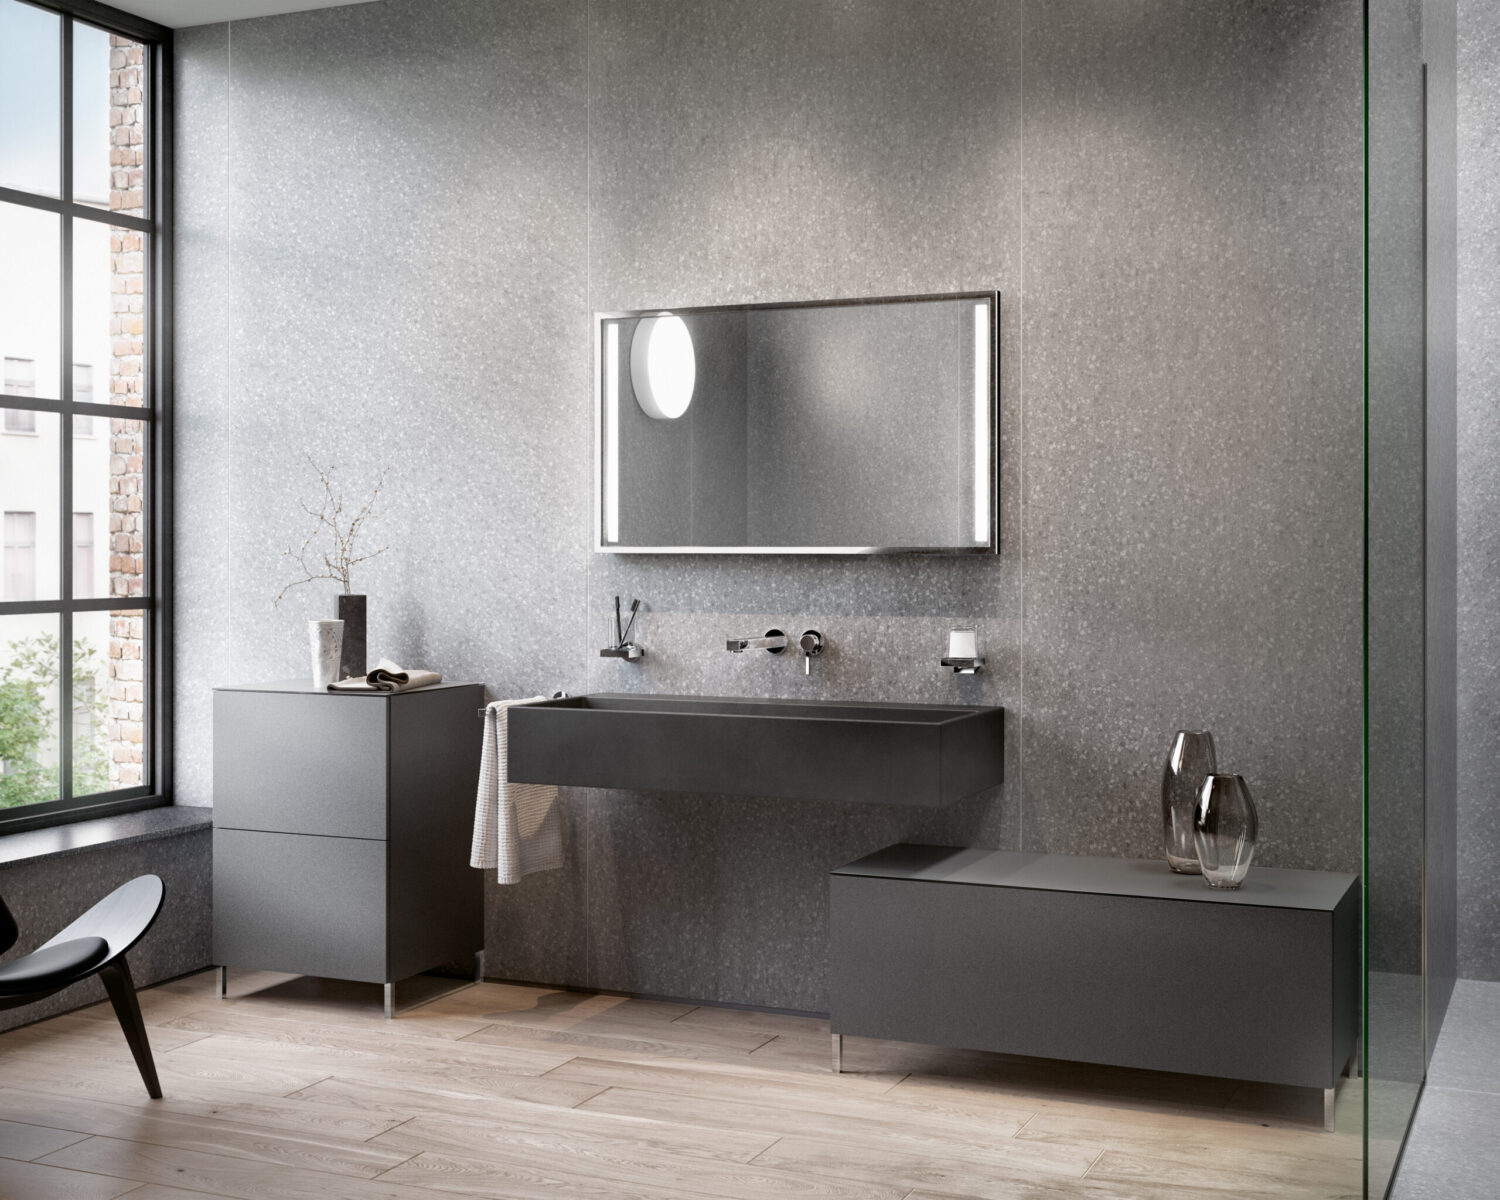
[298, 1089]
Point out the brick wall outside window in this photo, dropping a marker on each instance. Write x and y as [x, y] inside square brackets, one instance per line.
[127, 158]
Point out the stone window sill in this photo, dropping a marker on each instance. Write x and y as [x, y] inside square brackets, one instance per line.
[79, 837]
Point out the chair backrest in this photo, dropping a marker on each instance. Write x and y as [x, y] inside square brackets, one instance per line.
[8, 931]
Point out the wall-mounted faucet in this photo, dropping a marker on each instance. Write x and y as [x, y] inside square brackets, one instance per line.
[811, 644]
[773, 643]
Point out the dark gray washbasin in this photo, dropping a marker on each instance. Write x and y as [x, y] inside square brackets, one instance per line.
[920, 754]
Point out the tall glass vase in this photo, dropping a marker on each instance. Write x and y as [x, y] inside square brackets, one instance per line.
[1189, 764]
[1225, 830]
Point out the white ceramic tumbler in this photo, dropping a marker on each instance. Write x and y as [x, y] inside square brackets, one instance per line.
[327, 638]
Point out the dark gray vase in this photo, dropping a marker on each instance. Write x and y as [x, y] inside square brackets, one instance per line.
[352, 614]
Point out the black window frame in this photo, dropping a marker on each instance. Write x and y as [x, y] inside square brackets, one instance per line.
[156, 413]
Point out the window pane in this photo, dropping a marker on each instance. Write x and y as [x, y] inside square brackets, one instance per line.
[20, 555]
[83, 390]
[30, 300]
[30, 98]
[18, 420]
[109, 314]
[109, 701]
[109, 127]
[29, 482]
[85, 566]
[29, 672]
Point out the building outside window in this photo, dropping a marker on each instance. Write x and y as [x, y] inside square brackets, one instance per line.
[82, 227]
[20, 556]
[19, 379]
[20, 420]
[83, 554]
[83, 392]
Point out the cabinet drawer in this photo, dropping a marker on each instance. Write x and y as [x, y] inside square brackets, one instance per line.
[301, 904]
[300, 764]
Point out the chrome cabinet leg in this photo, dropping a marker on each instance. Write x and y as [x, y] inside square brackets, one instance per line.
[221, 985]
[1329, 1095]
[838, 1053]
[479, 966]
[390, 1001]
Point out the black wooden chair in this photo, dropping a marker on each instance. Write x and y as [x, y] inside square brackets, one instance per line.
[95, 944]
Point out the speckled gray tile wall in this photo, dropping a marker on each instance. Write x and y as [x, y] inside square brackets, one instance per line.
[407, 291]
[1397, 473]
[201, 499]
[434, 311]
[1440, 847]
[1192, 500]
[404, 226]
[45, 895]
[1479, 488]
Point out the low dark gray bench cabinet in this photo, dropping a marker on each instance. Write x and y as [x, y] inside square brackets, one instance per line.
[1114, 961]
[342, 826]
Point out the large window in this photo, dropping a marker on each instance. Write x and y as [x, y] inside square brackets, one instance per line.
[83, 273]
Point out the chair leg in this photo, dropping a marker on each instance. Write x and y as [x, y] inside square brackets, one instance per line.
[121, 989]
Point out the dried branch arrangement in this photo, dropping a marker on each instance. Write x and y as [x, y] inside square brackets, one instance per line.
[332, 521]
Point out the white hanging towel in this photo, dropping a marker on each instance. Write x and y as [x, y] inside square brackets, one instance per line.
[517, 826]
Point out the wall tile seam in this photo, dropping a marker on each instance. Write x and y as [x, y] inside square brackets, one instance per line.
[1020, 792]
[586, 823]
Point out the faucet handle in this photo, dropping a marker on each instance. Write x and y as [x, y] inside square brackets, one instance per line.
[811, 643]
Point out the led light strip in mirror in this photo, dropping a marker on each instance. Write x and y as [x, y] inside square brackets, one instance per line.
[981, 423]
[611, 466]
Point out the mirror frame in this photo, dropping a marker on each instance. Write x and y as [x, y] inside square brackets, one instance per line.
[992, 547]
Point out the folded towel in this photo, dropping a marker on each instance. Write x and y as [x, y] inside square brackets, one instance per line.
[387, 677]
[517, 826]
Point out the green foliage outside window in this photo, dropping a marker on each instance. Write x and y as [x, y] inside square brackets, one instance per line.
[28, 723]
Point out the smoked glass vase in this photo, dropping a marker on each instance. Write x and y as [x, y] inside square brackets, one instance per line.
[1225, 829]
[1189, 764]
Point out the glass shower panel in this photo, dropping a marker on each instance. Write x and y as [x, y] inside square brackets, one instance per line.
[1395, 582]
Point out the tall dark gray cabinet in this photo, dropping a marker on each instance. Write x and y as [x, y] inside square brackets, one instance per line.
[342, 826]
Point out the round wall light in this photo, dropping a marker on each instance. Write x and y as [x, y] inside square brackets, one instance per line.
[663, 367]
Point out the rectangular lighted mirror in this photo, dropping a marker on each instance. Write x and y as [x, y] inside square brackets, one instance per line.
[846, 427]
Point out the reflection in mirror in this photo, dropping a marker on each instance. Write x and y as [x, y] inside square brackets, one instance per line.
[851, 427]
[662, 367]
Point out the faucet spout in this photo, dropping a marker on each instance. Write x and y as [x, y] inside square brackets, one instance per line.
[774, 641]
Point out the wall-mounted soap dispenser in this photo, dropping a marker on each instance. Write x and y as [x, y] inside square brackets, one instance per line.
[963, 652]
